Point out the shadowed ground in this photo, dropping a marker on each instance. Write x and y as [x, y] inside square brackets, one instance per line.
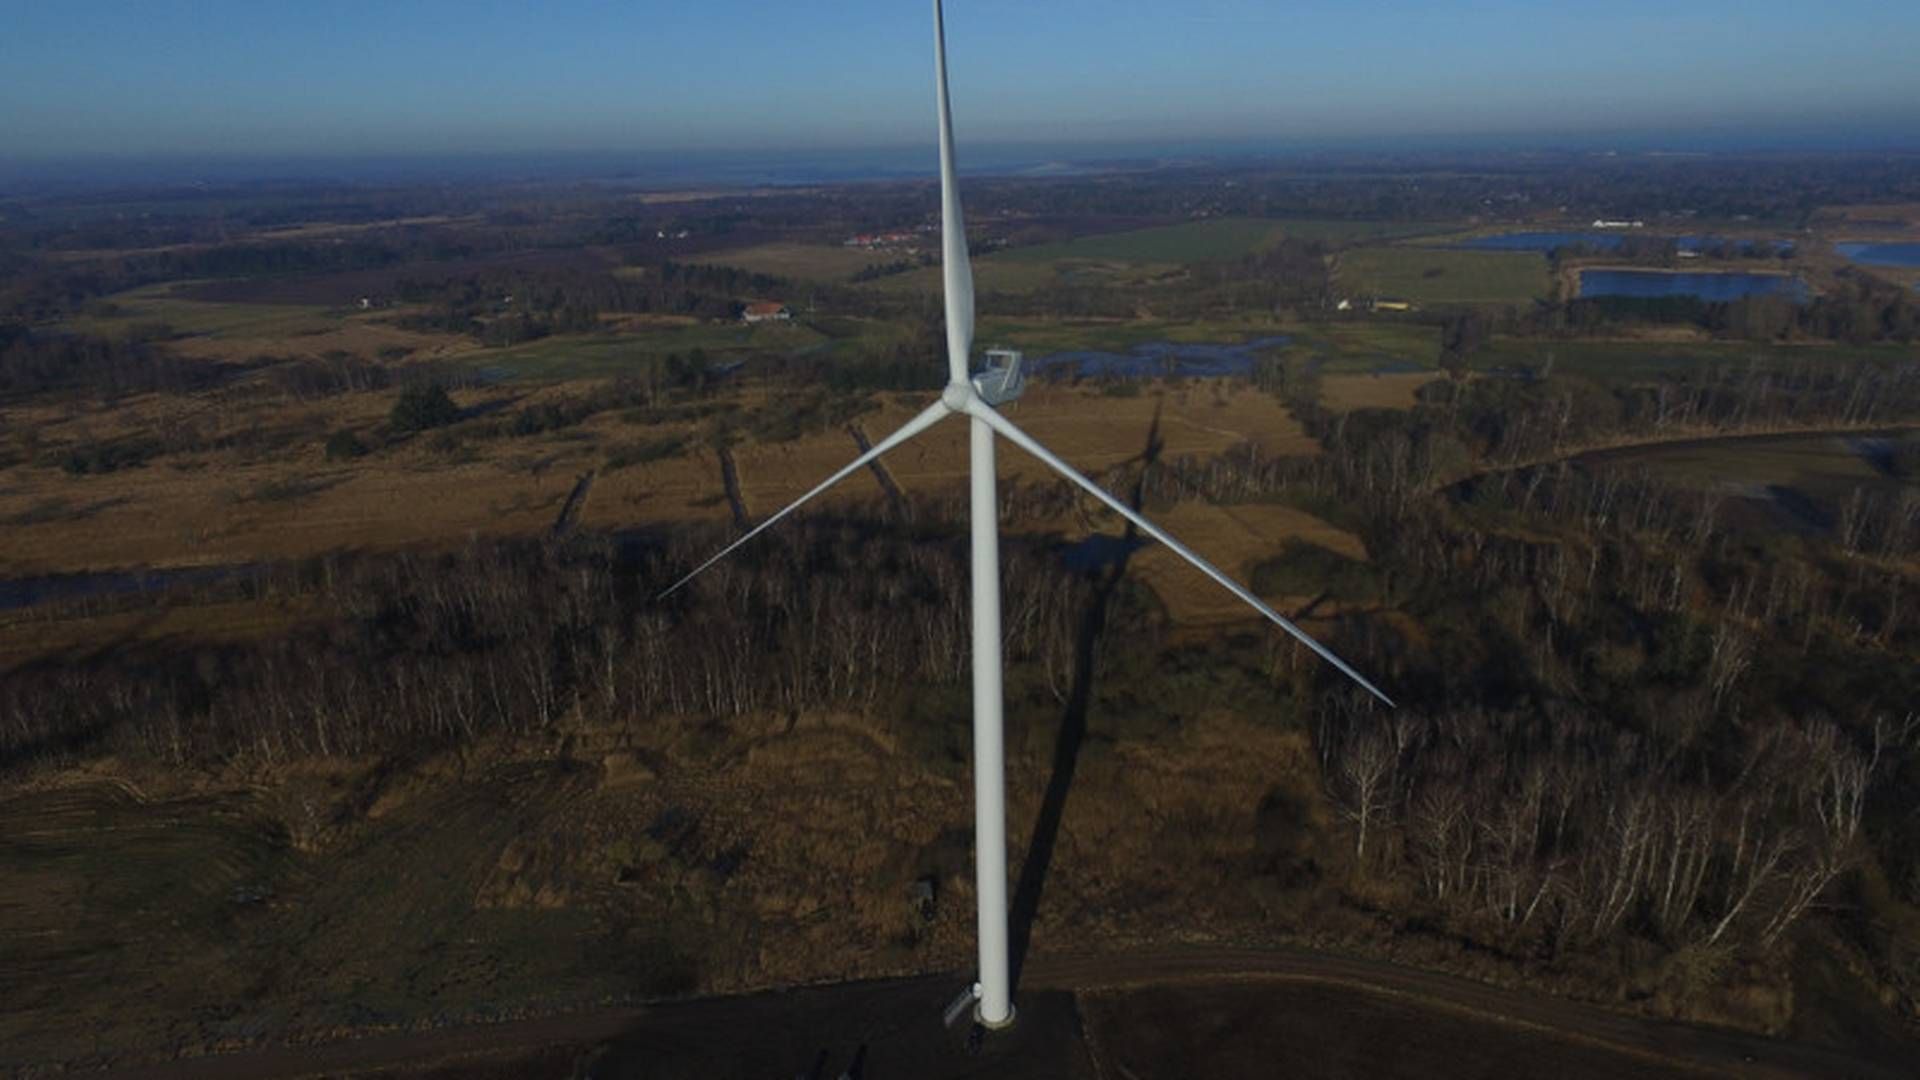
[1198, 1012]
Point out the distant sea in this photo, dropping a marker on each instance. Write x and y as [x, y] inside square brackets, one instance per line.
[656, 170]
[666, 169]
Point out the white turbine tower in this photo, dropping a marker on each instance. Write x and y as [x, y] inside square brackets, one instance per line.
[975, 396]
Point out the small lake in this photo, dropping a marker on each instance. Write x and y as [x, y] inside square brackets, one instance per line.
[1544, 242]
[1903, 255]
[1158, 358]
[1656, 284]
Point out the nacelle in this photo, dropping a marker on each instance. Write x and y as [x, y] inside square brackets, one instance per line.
[1001, 380]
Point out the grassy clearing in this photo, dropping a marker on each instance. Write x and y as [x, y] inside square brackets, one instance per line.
[1345, 393]
[86, 941]
[1439, 276]
[1238, 539]
[807, 262]
[185, 923]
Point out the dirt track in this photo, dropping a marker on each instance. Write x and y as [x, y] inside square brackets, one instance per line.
[870, 1012]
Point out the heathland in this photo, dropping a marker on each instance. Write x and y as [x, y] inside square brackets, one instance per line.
[335, 695]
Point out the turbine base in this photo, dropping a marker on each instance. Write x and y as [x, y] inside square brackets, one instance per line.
[995, 1025]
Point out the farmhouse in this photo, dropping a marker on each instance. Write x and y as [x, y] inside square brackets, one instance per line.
[765, 311]
[871, 241]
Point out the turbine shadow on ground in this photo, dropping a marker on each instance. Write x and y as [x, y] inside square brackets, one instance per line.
[1025, 905]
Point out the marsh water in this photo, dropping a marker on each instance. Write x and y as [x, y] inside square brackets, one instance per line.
[1712, 287]
[1902, 255]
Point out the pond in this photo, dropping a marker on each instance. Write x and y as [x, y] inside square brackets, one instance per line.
[1711, 287]
[1903, 255]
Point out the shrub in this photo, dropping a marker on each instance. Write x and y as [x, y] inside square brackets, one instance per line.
[423, 406]
[105, 457]
[344, 445]
[539, 419]
[640, 453]
[1903, 458]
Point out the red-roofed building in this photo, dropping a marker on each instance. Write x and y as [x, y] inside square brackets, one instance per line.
[766, 311]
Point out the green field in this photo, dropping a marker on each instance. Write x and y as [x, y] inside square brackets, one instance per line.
[1358, 347]
[1439, 276]
[805, 262]
[158, 304]
[1214, 238]
[606, 355]
[1000, 273]
[1193, 241]
[1612, 360]
[1824, 467]
[1038, 337]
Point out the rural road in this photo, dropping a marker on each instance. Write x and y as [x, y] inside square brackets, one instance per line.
[1665, 1046]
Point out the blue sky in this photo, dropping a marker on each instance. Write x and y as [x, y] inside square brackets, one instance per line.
[262, 77]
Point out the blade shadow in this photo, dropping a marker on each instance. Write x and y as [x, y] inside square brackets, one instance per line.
[1025, 906]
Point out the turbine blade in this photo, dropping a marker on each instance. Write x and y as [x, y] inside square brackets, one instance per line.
[956, 272]
[927, 418]
[1026, 442]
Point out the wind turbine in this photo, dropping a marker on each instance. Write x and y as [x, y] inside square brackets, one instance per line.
[975, 397]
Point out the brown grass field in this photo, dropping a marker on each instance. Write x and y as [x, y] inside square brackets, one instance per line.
[1345, 393]
[285, 500]
[273, 496]
[1880, 220]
